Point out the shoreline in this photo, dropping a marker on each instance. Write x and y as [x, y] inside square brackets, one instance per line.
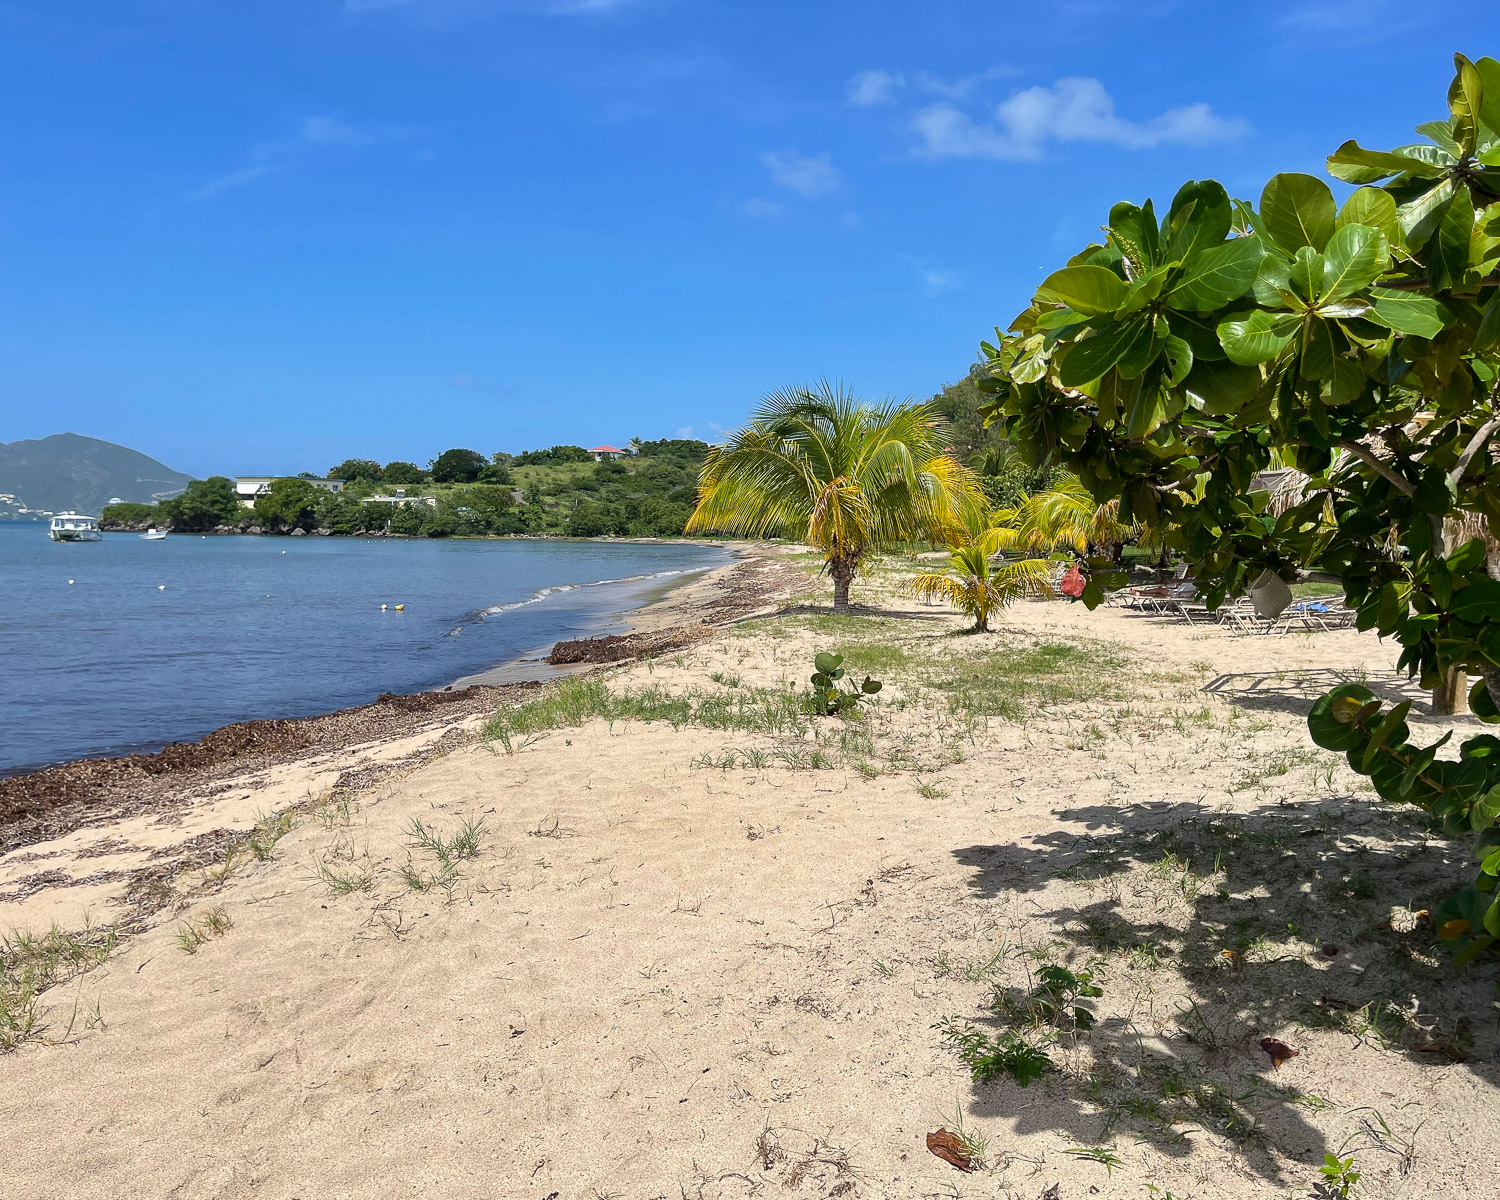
[59, 798]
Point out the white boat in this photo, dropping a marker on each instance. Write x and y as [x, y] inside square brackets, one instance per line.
[74, 527]
[153, 535]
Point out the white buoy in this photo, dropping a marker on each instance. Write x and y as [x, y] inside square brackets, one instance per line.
[161, 587]
[382, 607]
[70, 582]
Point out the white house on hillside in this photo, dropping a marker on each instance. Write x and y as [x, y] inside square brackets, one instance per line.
[248, 487]
[611, 453]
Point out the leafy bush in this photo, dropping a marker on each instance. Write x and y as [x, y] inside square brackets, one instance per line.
[1176, 365]
[827, 698]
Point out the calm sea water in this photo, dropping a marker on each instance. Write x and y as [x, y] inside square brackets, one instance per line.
[125, 645]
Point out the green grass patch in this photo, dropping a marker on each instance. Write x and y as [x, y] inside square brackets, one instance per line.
[1016, 682]
[30, 964]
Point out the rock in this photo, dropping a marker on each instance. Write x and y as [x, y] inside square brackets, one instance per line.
[299, 533]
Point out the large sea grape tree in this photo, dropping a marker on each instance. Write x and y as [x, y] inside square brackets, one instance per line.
[1357, 340]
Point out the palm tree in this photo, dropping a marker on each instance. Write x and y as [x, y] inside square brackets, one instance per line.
[975, 584]
[1066, 517]
[845, 476]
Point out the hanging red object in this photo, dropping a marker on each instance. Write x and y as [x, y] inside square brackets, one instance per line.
[1072, 583]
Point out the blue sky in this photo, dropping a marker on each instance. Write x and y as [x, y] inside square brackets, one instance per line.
[262, 237]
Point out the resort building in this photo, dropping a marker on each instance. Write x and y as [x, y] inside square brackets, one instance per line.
[248, 487]
[401, 499]
[601, 453]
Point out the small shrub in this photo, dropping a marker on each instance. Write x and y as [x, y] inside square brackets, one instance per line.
[988, 1057]
[828, 699]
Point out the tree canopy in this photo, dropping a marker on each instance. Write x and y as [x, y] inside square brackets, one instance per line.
[457, 466]
[1173, 365]
[846, 476]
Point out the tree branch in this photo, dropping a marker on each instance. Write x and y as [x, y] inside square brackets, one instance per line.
[1367, 456]
[1476, 443]
[1414, 285]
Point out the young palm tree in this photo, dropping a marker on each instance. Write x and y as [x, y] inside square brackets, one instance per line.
[975, 584]
[845, 476]
[1067, 517]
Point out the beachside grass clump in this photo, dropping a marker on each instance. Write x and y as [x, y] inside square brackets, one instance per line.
[31, 963]
[1174, 366]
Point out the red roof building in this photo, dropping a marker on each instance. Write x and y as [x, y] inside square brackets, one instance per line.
[600, 453]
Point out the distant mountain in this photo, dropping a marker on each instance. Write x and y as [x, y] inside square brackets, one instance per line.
[68, 472]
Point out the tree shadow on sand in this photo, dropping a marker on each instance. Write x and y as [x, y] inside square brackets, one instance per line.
[1227, 929]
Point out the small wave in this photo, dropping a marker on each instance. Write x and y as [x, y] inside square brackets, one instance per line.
[545, 593]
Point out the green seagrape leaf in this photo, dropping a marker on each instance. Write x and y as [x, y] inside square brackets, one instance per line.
[1352, 163]
[1321, 344]
[1489, 109]
[1488, 335]
[1408, 312]
[1257, 338]
[1467, 557]
[1298, 210]
[1305, 278]
[828, 663]
[1147, 413]
[1375, 207]
[1465, 99]
[1447, 256]
[1330, 721]
[1355, 257]
[1485, 810]
[1482, 704]
[1222, 386]
[1479, 600]
[1179, 360]
[1200, 218]
[1419, 217]
[1085, 289]
[1090, 358]
[1213, 277]
[1441, 134]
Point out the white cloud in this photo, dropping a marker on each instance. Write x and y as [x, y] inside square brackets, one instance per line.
[871, 88]
[684, 431]
[931, 278]
[813, 175]
[312, 134]
[1072, 110]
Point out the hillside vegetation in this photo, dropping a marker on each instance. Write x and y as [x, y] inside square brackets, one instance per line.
[557, 491]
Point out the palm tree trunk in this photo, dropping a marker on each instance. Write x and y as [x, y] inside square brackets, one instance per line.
[1452, 693]
[842, 570]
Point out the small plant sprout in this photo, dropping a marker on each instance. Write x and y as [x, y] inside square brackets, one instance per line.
[989, 1057]
[828, 699]
[1339, 1177]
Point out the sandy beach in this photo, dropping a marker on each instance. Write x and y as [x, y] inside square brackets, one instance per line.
[653, 931]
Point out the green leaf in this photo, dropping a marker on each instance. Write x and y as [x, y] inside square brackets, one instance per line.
[1482, 704]
[1200, 218]
[1305, 278]
[1321, 345]
[1213, 277]
[1091, 358]
[1355, 257]
[1488, 335]
[1375, 207]
[1298, 210]
[1447, 256]
[1465, 98]
[1408, 312]
[1257, 338]
[1479, 600]
[1354, 164]
[1420, 217]
[1085, 289]
[1331, 720]
[1489, 110]
[1179, 360]
[1148, 411]
[1441, 133]
[1485, 810]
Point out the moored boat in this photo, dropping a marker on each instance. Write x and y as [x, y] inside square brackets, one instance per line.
[74, 527]
[154, 535]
